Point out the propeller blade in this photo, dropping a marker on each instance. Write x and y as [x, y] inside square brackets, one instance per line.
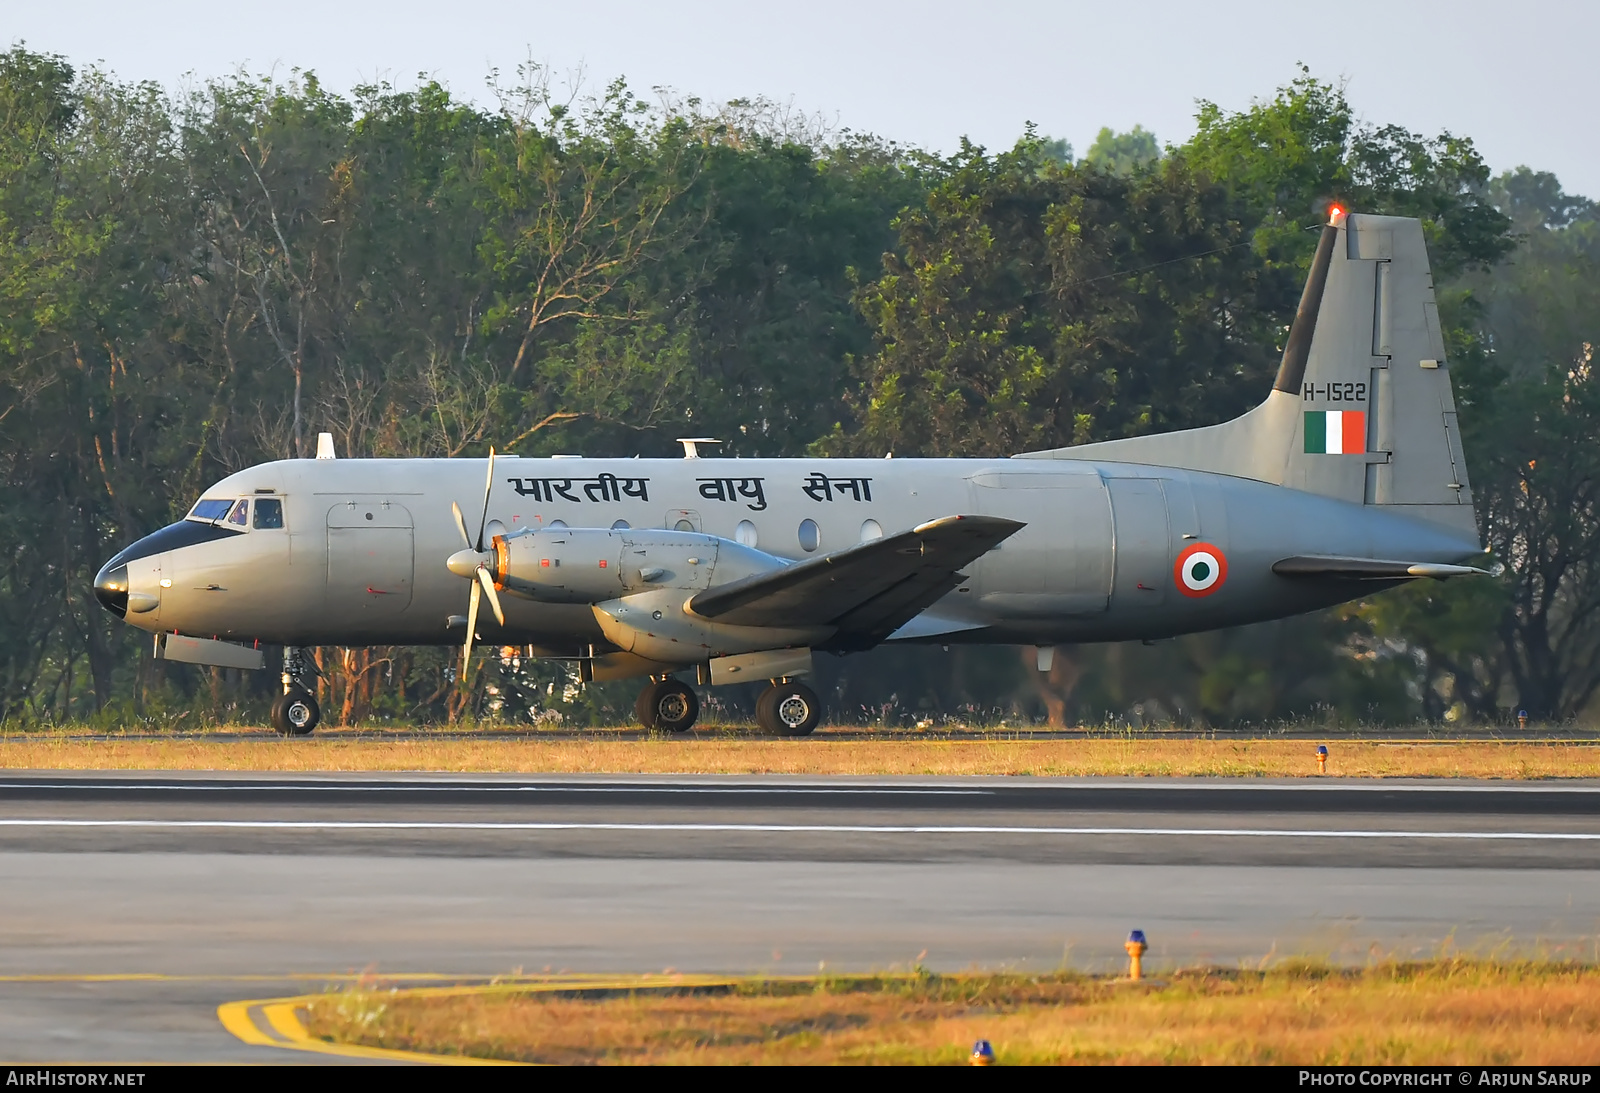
[488, 485]
[461, 525]
[472, 630]
[494, 597]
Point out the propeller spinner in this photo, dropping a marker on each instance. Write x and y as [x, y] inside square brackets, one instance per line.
[474, 563]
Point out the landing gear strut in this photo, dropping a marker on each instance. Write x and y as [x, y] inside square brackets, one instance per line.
[666, 705]
[788, 708]
[295, 712]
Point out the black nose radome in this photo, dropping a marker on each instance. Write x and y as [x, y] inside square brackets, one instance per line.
[111, 589]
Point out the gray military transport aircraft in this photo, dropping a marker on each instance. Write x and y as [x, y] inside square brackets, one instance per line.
[1348, 478]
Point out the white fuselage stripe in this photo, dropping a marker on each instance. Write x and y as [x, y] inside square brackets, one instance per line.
[446, 787]
[816, 829]
[1307, 785]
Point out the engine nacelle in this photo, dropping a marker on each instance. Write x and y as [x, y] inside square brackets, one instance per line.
[560, 565]
[655, 625]
[592, 565]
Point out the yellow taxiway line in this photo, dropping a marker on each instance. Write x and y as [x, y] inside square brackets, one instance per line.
[276, 1022]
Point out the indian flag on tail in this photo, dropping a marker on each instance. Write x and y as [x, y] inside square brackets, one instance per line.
[1336, 432]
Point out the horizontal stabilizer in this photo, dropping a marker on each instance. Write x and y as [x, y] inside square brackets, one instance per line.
[1369, 569]
[867, 591]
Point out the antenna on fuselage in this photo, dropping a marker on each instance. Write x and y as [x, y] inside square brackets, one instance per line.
[325, 446]
[690, 445]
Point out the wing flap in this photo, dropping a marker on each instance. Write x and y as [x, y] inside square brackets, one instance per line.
[866, 591]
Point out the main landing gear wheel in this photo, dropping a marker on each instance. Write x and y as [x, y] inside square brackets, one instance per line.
[667, 706]
[296, 713]
[765, 718]
[788, 709]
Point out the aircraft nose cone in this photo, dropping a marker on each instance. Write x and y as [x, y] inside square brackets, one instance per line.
[463, 563]
[111, 589]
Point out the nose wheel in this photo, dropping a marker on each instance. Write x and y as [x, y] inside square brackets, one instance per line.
[788, 709]
[295, 712]
[667, 705]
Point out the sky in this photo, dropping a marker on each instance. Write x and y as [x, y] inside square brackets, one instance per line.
[1515, 77]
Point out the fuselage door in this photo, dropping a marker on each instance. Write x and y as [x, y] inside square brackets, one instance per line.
[1060, 563]
[370, 557]
[1144, 542]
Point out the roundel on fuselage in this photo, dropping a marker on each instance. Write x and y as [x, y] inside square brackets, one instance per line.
[1200, 570]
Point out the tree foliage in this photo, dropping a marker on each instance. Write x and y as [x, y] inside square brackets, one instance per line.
[1123, 153]
[1033, 304]
[1532, 403]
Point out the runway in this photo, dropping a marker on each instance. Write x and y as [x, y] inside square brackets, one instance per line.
[225, 886]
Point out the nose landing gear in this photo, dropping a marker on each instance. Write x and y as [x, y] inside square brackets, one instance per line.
[666, 705]
[295, 712]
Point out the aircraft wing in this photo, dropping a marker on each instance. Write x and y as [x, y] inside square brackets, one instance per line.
[1367, 569]
[867, 591]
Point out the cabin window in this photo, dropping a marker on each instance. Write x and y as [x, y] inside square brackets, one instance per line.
[810, 535]
[745, 533]
[210, 509]
[870, 530]
[555, 525]
[269, 512]
[241, 512]
[619, 525]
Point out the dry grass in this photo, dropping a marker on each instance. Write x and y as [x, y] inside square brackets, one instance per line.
[1450, 1012]
[706, 754]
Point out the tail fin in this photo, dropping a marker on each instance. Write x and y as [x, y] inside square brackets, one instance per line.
[1362, 408]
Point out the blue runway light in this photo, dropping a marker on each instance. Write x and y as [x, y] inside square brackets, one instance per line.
[982, 1053]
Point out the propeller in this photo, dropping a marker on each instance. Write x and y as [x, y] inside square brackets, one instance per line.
[473, 562]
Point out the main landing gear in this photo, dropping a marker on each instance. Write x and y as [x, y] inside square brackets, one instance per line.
[295, 712]
[786, 708]
[666, 705]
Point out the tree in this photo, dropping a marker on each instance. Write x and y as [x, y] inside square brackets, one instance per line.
[1530, 413]
[1291, 156]
[1123, 153]
[84, 164]
[576, 202]
[1033, 305]
[774, 323]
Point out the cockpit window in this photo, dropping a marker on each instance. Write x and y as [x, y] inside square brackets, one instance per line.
[210, 509]
[269, 512]
[241, 512]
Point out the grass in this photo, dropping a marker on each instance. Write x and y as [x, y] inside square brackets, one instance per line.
[1456, 1012]
[723, 754]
